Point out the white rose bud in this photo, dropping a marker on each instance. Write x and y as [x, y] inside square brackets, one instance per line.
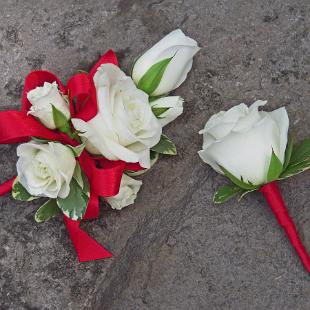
[127, 193]
[242, 139]
[167, 109]
[42, 99]
[45, 170]
[177, 46]
[125, 127]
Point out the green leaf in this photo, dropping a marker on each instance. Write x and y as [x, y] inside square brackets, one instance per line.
[299, 159]
[275, 168]
[153, 98]
[75, 204]
[295, 169]
[77, 175]
[301, 152]
[47, 211]
[151, 79]
[20, 193]
[165, 146]
[226, 192]
[238, 182]
[245, 193]
[86, 186]
[61, 122]
[40, 140]
[60, 119]
[154, 156]
[288, 151]
[77, 150]
[82, 71]
[159, 111]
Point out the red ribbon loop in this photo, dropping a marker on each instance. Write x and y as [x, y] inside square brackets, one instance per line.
[82, 97]
[108, 57]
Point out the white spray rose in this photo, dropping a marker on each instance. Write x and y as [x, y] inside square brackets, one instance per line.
[125, 127]
[127, 193]
[45, 170]
[241, 140]
[168, 108]
[182, 50]
[42, 99]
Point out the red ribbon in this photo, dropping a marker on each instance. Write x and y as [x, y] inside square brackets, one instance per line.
[274, 199]
[104, 176]
[6, 186]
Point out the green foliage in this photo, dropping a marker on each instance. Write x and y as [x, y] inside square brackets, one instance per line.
[77, 150]
[75, 204]
[20, 193]
[288, 151]
[238, 182]
[275, 168]
[299, 160]
[159, 111]
[165, 146]
[300, 152]
[151, 79]
[226, 192]
[78, 175]
[61, 121]
[39, 140]
[47, 211]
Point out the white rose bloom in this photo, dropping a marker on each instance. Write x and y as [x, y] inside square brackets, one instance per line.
[174, 106]
[242, 139]
[42, 99]
[177, 45]
[45, 170]
[127, 193]
[125, 127]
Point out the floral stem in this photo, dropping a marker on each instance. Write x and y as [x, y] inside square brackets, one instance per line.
[275, 201]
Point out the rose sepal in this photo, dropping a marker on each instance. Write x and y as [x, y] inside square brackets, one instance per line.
[297, 160]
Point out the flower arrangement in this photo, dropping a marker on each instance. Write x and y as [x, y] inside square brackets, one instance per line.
[88, 138]
[252, 149]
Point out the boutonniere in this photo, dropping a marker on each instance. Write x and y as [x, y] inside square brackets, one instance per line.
[253, 150]
[88, 138]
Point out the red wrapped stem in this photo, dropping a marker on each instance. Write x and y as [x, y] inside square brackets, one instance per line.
[274, 199]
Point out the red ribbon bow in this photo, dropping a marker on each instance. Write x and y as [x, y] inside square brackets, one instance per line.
[104, 176]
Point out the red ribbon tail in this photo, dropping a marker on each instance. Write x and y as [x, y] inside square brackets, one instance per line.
[6, 186]
[274, 199]
[86, 247]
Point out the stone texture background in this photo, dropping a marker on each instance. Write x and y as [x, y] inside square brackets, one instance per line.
[173, 249]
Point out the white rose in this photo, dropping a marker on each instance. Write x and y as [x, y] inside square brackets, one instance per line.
[176, 45]
[172, 107]
[242, 139]
[42, 99]
[125, 127]
[45, 170]
[127, 193]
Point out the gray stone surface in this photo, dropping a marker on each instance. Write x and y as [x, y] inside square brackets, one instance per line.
[173, 249]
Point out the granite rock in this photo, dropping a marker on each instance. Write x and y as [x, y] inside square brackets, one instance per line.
[173, 249]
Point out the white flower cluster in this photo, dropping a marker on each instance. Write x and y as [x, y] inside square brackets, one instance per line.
[131, 114]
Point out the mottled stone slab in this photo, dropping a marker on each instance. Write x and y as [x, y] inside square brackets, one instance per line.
[173, 249]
